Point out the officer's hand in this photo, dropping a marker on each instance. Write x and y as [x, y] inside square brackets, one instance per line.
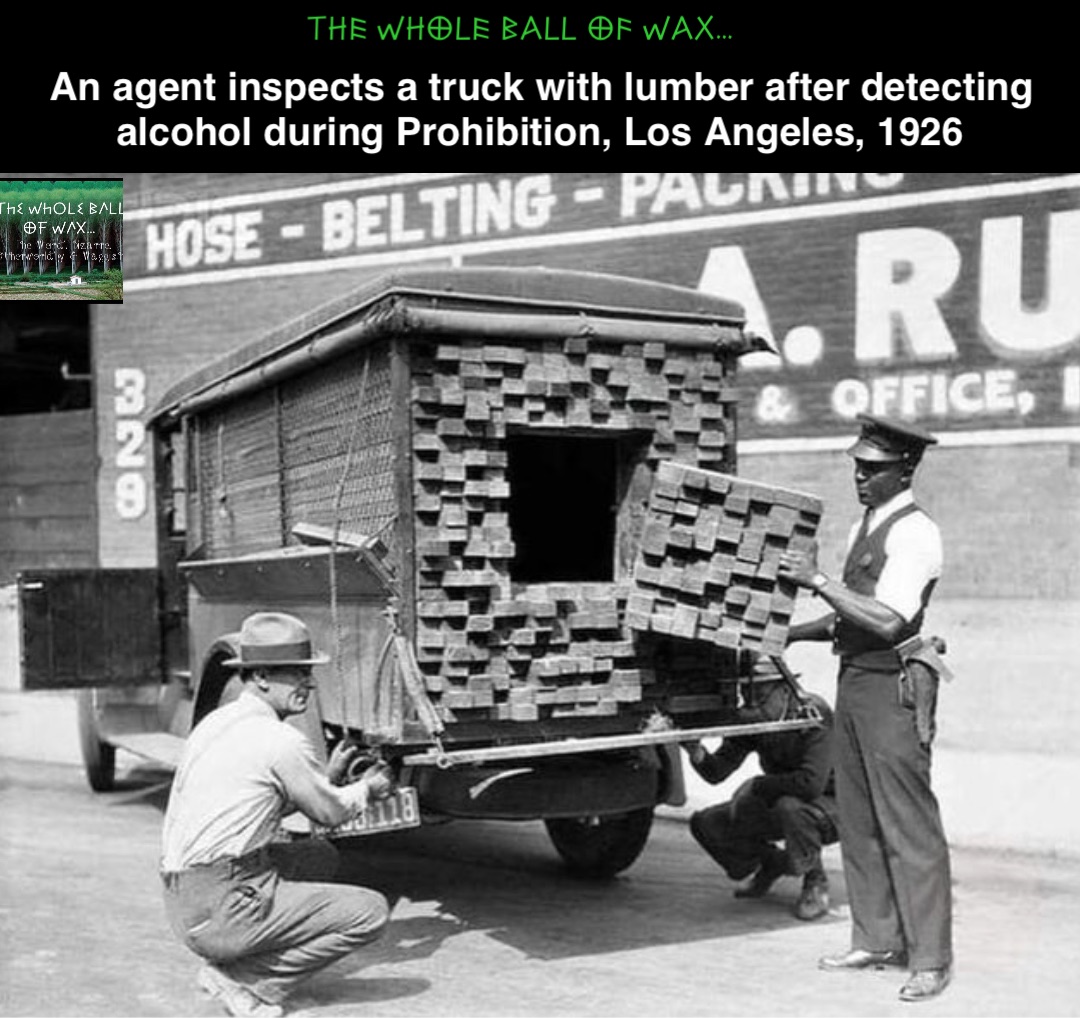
[799, 564]
[337, 769]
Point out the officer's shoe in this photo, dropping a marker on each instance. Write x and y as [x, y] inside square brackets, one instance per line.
[772, 868]
[813, 901]
[237, 998]
[860, 958]
[925, 984]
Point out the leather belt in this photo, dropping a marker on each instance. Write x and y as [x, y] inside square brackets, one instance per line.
[225, 868]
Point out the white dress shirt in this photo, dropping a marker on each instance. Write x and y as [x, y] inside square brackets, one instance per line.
[242, 770]
[913, 555]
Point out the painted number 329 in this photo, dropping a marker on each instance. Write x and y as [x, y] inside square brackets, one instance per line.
[928, 131]
[129, 403]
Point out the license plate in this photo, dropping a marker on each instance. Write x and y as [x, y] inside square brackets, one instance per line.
[397, 811]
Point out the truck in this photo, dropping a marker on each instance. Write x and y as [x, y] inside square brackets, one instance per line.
[505, 502]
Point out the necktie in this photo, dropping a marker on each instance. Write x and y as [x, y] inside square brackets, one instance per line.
[864, 527]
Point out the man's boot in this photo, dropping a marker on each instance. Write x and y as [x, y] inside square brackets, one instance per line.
[774, 865]
[813, 901]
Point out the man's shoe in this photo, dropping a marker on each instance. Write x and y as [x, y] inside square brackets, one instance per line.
[772, 868]
[924, 984]
[237, 998]
[860, 958]
[813, 902]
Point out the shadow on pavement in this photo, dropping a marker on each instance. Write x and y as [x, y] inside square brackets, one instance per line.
[481, 877]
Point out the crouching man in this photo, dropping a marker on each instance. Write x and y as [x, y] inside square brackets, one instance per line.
[259, 911]
[776, 823]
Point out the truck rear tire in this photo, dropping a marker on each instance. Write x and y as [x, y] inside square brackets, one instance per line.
[99, 757]
[601, 846]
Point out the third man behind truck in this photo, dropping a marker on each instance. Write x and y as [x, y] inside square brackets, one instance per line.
[790, 802]
[896, 859]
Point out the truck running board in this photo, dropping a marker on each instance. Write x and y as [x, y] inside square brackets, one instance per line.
[161, 747]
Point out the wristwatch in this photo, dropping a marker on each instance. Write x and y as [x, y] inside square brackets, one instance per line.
[818, 581]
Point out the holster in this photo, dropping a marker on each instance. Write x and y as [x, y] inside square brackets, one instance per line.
[921, 670]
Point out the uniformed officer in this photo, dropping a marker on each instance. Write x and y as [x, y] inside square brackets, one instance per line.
[896, 859]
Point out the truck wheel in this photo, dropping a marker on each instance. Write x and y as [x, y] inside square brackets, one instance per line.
[99, 757]
[601, 846]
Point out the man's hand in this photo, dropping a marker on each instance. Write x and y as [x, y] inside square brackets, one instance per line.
[800, 564]
[379, 780]
[337, 769]
[695, 750]
[376, 782]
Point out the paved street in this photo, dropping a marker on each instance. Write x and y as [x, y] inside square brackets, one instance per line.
[487, 923]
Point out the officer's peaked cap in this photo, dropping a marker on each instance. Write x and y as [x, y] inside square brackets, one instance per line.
[884, 440]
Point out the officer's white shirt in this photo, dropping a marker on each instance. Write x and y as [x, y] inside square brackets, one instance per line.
[913, 555]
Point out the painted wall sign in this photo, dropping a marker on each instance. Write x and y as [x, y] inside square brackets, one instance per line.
[961, 315]
[949, 299]
[335, 221]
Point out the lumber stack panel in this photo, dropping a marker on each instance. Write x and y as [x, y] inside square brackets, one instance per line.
[707, 562]
[490, 649]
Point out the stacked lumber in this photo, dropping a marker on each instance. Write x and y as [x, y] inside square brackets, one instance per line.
[560, 649]
[487, 648]
[707, 561]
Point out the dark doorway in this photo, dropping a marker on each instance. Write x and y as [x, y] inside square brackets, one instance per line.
[44, 357]
[563, 502]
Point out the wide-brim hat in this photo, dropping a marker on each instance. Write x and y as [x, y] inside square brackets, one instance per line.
[275, 640]
[883, 440]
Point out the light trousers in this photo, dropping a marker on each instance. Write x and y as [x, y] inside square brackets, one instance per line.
[269, 920]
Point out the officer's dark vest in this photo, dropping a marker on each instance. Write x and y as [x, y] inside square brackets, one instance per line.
[865, 561]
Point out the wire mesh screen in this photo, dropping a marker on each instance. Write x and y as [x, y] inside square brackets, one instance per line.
[337, 423]
[238, 458]
[316, 449]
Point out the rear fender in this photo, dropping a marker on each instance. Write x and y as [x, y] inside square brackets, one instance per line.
[214, 676]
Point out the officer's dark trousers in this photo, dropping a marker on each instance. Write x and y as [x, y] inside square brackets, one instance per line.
[896, 859]
[741, 842]
[267, 921]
